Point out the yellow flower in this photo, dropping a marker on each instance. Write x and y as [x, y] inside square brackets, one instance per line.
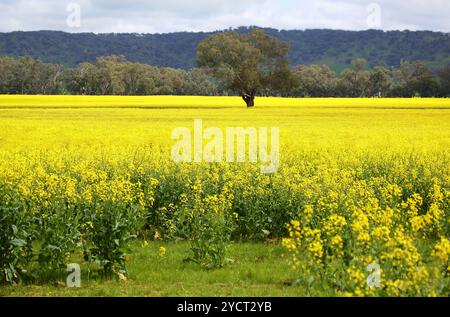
[356, 276]
[162, 251]
[442, 250]
[381, 233]
[360, 227]
[417, 223]
[308, 213]
[288, 243]
[337, 242]
[145, 244]
[295, 224]
[154, 182]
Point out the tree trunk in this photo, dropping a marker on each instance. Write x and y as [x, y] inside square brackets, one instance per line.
[249, 100]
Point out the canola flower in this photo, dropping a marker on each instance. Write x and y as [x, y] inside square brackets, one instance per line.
[442, 250]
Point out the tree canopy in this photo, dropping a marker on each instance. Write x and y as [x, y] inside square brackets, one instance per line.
[247, 64]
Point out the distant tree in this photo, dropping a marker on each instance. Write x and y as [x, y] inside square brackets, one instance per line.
[7, 75]
[25, 75]
[137, 79]
[422, 81]
[354, 82]
[379, 81]
[110, 70]
[247, 64]
[169, 81]
[444, 82]
[359, 64]
[198, 82]
[414, 79]
[47, 78]
[84, 80]
[314, 81]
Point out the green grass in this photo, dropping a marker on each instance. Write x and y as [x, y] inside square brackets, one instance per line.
[254, 270]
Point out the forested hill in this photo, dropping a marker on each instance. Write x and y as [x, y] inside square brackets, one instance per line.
[331, 47]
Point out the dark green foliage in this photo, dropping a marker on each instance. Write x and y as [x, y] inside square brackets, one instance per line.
[247, 64]
[114, 75]
[444, 81]
[415, 79]
[111, 75]
[314, 80]
[25, 75]
[334, 48]
[14, 236]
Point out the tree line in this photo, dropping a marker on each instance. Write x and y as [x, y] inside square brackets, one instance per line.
[110, 75]
[114, 75]
[411, 79]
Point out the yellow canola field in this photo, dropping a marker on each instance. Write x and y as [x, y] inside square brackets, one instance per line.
[208, 102]
[363, 185]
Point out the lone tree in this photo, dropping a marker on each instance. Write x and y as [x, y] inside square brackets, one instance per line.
[247, 64]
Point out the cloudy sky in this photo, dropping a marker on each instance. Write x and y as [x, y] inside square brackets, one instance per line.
[160, 16]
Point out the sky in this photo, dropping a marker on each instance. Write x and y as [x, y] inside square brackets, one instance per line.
[162, 16]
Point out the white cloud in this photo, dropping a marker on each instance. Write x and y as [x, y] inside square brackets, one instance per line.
[205, 15]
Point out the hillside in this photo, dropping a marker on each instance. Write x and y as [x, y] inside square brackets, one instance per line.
[332, 47]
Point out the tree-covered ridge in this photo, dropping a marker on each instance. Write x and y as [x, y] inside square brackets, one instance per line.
[333, 48]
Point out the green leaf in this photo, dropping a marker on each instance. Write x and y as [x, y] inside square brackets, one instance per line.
[266, 232]
[18, 242]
